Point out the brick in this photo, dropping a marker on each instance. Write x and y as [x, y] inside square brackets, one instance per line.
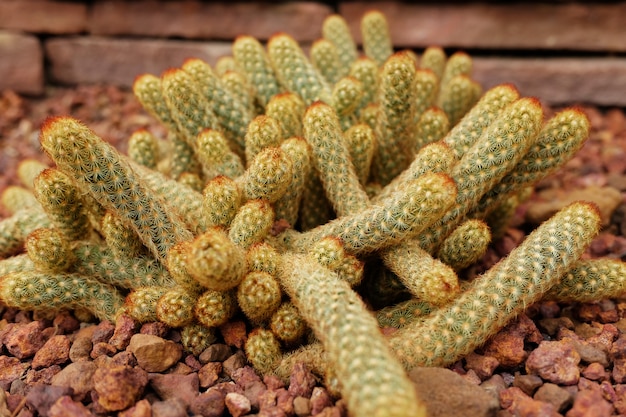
[41, 16]
[523, 25]
[21, 65]
[88, 60]
[599, 81]
[206, 20]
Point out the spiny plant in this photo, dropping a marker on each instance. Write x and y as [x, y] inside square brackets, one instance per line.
[296, 191]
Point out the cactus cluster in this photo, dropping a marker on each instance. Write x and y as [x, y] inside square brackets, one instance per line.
[298, 191]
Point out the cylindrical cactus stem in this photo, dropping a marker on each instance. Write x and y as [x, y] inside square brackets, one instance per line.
[62, 201]
[299, 151]
[457, 97]
[251, 57]
[559, 139]
[183, 157]
[395, 121]
[376, 39]
[175, 307]
[263, 132]
[469, 129]
[232, 115]
[15, 198]
[329, 252]
[426, 278]
[315, 209]
[49, 250]
[431, 127]
[148, 89]
[143, 148]
[112, 182]
[369, 115]
[403, 313]
[17, 263]
[465, 245]
[214, 308]
[331, 158]
[221, 201]
[365, 70]
[373, 382]
[311, 355]
[262, 257]
[237, 84]
[268, 176]
[434, 59]
[287, 324]
[426, 87]
[15, 229]
[263, 350]
[325, 59]
[191, 180]
[38, 290]
[295, 71]
[403, 215]
[28, 170]
[100, 262]
[177, 259]
[225, 64]
[336, 30]
[259, 296]
[346, 99]
[190, 109]
[436, 157]
[361, 143]
[288, 110]
[140, 303]
[500, 147]
[459, 63]
[216, 157]
[215, 261]
[252, 223]
[590, 280]
[121, 239]
[195, 338]
[500, 294]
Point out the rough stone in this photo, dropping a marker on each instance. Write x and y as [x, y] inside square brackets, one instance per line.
[78, 376]
[24, 340]
[517, 403]
[589, 403]
[208, 404]
[174, 407]
[233, 362]
[202, 20]
[81, 349]
[556, 362]
[119, 387]
[482, 365]
[217, 352]
[10, 369]
[301, 380]
[142, 408]
[125, 328]
[555, 395]
[301, 406]
[578, 26]
[39, 16]
[169, 386]
[234, 333]
[66, 407]
[507, 346]
[102, 332]
[153, 353]
[445, 393]
[237, 404]
[89, 60]
[41, 397]
[209, 374]
[527, 383]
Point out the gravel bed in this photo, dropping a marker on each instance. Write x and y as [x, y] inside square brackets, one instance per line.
[556, 359]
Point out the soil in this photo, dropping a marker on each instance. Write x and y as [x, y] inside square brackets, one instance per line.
[556, 359]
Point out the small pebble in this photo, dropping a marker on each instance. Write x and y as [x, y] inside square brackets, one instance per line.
[527, 383]
[301, 381]
[555, 395]
[237, 404]
[169, 408]
[589, 403]
[208, 404]
[209, 374]
[217, 352]
[119, 387]
[66, 407]
[556, 362]
[170, 386]
[153, 353]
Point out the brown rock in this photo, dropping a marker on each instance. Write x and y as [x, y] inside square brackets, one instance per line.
[233, 362]
[273, 382]
[41, 376]
[173, 407]
[284, 401]
[589, 403]
[89, 60]
[301, 406]
[595, 371]
[200, 20]
[21, 67]
[24, 340]
[620, 403]
[619, 371]
[142, 408]
[445, 393]
[65, 323]
[482, 365]
[320, 399]
[527, 383]
[41, 397]
[154, 328]
[217, 352]
[193, 362]
[154, 354]
[66, 407]
[553, 325]
[494, 386]
[555, 395]
[81, 349]
[60, 17]
[102, 349]
[10, 370]
[556, 362]
[234, 333]
[102, 332]
[208, 404]
[520, 404]
[209, 374]
[237, 404]
[125, 328]
[301, 381]
[170, 386]
[78, 376]
[119, 387]
[507, 346]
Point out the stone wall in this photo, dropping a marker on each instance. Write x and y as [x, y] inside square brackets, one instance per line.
[563, 52]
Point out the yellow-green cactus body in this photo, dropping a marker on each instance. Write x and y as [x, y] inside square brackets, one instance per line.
[15, 229]
[501, 293]
[287, 206]
[112, 182]
[336, 30]
[214, 308]
[143, 148]
[465, 245]
[373, 382]
[590, 280]
[325, 59]
[49, 250]
[28, 170]
[121, 239]
[330, 253]
[361, 143]
[459, 63]
[365, 70]
[216, 157]
[262, 257]
[376, 38]
[222, 199]
[140, 303]
[288, 110]
[17, 263]
[287, 323]
[268, 176]
[259, 296]
[431, 127]
[263, 132]
[426, 87]
[14, 198]
[177, 259]
[400, 315]
[457, 97]
[434, 59]
[263, 350]
[195, 338]
[238, 86]
[175, 307]
[252, 223]
[148, 89]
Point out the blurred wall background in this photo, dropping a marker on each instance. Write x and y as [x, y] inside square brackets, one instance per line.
[563, 52]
